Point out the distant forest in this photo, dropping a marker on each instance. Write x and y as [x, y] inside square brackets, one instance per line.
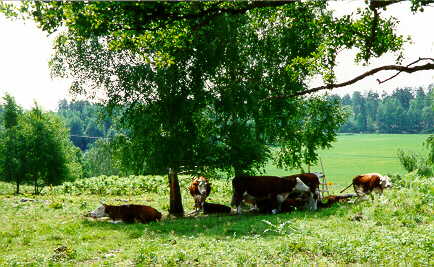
[404, 111]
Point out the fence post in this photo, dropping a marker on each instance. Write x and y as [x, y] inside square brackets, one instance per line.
[52, 195]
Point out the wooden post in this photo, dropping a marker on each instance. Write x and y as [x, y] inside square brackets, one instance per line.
[52, 195]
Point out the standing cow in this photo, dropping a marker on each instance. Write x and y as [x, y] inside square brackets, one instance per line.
[365, 184]
[128, 213]
[200, 189]
[265, 186]
[311, 180]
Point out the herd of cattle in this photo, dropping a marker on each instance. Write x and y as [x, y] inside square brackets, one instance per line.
[265, 193]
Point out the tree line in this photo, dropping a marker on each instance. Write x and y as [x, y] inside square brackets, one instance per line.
[404, 111]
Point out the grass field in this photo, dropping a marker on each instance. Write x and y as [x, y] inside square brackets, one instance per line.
[362, 153]
[397, 230]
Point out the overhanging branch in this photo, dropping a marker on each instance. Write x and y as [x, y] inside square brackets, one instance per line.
[399, 68]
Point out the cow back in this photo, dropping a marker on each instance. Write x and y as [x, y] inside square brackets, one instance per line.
[262, 186]
[367, 181]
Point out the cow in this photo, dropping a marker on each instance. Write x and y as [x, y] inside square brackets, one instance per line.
[199, 190]
[265, 186]
[366, 183]
[215, 208]
[332, 199]
[312, 180]
[128, 213]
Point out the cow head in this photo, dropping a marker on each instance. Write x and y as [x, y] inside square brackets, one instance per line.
[202, 185]
[385, 181]
[99, 212]
[300, 186]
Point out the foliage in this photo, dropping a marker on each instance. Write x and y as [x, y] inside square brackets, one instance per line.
[203, 84]
[84, 122]
[406, 110]
[100, 160]
[36, 150]
[412, 161]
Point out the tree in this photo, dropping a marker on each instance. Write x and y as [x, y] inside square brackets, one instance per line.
[212, 83]
[47, 161]
[100, 160]
[35, 148]
[13, 144]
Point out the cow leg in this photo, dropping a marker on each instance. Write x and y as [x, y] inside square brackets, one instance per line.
[236, 201]
[280, 198]
[275, 204]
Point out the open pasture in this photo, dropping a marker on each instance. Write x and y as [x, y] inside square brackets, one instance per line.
[358, 154]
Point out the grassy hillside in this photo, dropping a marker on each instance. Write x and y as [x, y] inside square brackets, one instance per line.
[358, 154]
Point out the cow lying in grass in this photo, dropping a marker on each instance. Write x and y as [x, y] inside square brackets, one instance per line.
[215, 208]
[332, 199]
[128, 213]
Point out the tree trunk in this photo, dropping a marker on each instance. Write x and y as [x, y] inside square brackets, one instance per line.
[175, 194]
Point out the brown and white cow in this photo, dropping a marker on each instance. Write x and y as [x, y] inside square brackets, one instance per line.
[312, 180]
[128, 213]
[200, 189]
[265, 186]
[366, 183]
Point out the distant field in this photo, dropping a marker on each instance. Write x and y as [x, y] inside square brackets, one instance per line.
[363, 153]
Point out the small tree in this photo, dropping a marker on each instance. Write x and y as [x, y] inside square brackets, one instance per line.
[35, 148]
[99, 160]
[46, 153]
[12, 144]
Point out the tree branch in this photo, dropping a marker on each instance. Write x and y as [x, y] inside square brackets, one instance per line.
[407, 69]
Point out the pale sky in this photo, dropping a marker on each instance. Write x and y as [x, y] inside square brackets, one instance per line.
[25, 51]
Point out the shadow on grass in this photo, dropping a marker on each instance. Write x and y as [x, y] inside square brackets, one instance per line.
[217, 225]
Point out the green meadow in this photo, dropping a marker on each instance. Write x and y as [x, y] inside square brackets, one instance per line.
[54, 228]
[362, 153]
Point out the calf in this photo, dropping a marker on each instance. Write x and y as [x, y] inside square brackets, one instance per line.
[331, 199]
[199, 190]
[128, 213]
[312, 180]
[365, 184]
[265, 186]
[264, 205]
[215, 208]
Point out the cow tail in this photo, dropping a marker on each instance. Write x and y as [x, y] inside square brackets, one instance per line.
[347, 187]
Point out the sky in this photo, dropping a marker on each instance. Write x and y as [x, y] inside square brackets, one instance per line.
[25, 51]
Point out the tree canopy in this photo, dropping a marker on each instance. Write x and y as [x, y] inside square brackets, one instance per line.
[35, 147]
[213, 83]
